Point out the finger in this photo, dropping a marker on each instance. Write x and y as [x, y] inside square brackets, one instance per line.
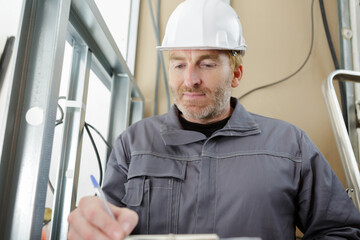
[72, 234]
[79, 228]
[126, 218]
[94, 213]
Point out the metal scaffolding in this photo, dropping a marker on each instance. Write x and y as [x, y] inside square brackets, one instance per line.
[35, 83]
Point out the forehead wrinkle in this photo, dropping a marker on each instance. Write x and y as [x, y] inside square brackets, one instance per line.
[209, 56]
[190, 55]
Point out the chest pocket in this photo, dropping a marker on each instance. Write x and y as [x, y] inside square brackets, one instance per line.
[153, 191]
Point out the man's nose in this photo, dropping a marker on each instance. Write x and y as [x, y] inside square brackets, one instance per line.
[192, 77]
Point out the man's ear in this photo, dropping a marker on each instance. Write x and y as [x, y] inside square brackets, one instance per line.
[238, 73]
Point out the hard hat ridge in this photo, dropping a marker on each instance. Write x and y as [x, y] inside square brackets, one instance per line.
[204, 24]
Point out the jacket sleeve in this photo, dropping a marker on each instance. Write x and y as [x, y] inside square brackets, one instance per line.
[116, 174]
[325, 211]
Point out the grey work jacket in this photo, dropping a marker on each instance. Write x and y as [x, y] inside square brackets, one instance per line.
[256, 177]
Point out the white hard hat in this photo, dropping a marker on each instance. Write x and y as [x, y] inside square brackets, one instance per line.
[204, 24]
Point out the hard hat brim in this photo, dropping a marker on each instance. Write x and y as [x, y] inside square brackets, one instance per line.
[242, 49]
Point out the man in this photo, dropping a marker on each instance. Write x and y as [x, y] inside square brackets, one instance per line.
[209, 166]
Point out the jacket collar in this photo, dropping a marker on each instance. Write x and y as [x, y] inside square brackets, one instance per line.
[241, 123]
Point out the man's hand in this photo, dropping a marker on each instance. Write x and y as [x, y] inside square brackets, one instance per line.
[90, 221]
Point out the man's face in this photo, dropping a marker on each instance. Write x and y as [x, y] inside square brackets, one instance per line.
[201, 82]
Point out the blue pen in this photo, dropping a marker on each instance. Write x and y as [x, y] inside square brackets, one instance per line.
[101, 195]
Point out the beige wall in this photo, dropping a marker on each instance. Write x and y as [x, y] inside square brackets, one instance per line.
[278, 34]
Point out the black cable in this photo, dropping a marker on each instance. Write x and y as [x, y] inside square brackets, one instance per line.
[299, 69]
[87, 125]
[94, 145]
[342, 85]
[60, 120]
[101, 136]
[96, 152]
[328, 36]
[51, 186]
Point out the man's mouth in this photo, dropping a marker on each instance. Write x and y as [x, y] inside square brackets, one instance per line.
[193, 95]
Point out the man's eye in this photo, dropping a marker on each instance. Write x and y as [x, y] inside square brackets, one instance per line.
[180, 66]
[208, 65]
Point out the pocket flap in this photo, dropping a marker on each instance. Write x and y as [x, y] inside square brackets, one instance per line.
[155, 166]
[134, 191]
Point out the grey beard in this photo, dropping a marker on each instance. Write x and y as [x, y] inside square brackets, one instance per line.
[222, 98]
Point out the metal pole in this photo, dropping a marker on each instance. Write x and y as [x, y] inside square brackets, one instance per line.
[346, 152]
[119, 106]
[67, 179]
[345, 35]
[30, 123]
[132, 35]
